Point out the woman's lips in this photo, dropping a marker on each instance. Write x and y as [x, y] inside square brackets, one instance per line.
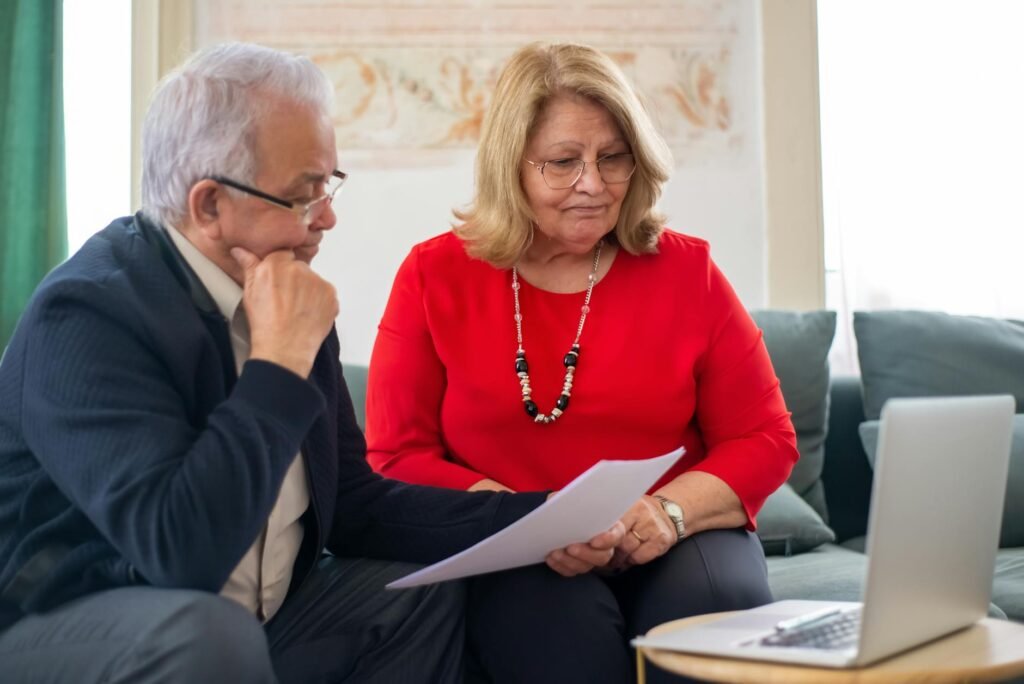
[587, 210]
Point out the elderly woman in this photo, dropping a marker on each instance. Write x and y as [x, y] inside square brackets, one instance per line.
[560, 323]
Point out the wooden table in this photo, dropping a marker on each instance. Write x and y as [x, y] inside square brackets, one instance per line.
[990, 651]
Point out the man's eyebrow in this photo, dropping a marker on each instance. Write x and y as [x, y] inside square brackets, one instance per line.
[308, 177]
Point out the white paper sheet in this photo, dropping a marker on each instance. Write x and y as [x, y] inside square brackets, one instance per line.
[587, 506]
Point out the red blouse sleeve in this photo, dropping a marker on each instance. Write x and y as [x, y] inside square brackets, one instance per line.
[404, 391]
[751, 444]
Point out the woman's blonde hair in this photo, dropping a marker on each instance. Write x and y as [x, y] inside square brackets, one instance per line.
[498, 226]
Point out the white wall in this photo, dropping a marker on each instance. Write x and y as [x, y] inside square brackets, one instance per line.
[383, 213]
[716, 192]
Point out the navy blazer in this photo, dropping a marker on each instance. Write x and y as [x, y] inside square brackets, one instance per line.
[131, 453]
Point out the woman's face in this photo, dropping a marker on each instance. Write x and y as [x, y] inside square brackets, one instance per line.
[573, 127]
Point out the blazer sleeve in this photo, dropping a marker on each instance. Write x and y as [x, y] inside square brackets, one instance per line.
[181, 497]
[750, 440]
[405, 388]
[378, 517]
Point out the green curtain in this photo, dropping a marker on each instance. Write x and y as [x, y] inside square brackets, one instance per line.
[33, 212]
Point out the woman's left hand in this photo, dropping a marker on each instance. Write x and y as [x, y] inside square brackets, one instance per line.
[649, 534]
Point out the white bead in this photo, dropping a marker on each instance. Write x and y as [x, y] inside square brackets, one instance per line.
[518, 318]
[539, 418]
[592, 278]
[515, 286]
[555, 412]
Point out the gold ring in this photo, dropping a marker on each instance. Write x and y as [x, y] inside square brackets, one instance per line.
[633, 532]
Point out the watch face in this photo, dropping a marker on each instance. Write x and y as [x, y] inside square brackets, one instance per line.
[675, 512]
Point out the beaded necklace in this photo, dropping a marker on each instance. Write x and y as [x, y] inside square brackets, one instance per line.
[570, 360]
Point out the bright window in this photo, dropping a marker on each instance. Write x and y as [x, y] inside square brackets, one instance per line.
[97, 114]
[922, 104]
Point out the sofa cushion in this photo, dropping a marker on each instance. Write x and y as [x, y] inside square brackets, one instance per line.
[833, 573]
[1012, 533]
[926, 353]
[787, 524]
[1008, 584]
[798, 344]
[859, 543]
[828, 573]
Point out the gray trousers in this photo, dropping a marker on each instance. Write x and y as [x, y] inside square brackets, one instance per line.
[531, 625]
[340, 626]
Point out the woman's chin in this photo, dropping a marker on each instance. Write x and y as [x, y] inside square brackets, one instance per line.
[586, 234]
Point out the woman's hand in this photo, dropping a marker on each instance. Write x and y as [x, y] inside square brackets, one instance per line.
[649, 534]
[577, 559]
[489, 485]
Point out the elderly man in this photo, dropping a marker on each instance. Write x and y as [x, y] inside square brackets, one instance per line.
[183, 490]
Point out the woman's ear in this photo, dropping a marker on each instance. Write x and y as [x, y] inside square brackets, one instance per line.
[204, 206]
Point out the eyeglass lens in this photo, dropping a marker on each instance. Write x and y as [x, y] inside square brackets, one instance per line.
[317, 206]
[563, 173]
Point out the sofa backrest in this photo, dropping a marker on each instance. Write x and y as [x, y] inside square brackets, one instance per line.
[798, 344]
[847, 474]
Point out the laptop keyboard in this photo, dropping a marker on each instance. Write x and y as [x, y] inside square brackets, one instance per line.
[832, 633]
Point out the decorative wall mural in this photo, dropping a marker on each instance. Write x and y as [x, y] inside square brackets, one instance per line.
[417, 76]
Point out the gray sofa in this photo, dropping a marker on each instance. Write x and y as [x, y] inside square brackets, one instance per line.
[902, 353]
[835, 570]
[813, 528]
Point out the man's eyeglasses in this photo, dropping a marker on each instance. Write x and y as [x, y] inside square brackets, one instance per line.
[307, 211]
[560, 174]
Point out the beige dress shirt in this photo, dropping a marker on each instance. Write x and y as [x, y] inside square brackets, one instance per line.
[260, 581]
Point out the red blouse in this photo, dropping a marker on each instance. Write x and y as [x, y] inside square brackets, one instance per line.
[668, 356]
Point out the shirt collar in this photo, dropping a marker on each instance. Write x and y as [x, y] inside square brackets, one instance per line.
[226, 293]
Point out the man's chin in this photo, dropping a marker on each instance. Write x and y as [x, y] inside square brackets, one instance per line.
[307, 253]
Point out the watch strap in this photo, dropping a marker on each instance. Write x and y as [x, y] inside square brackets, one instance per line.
[675, 513]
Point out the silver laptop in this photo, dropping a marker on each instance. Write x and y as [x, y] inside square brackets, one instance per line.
[936, 507]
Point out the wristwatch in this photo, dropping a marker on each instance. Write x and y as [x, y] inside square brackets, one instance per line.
[675, 513]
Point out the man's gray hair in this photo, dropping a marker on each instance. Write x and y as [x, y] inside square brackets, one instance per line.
[202, 119]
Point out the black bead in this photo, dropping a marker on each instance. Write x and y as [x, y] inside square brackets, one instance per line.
[531, 408]
[563, 402]
[569, 360]
[521, 366]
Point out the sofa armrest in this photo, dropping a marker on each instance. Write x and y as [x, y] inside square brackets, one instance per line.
[847, 474]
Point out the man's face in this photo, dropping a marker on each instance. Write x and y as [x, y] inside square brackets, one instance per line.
[295, 156]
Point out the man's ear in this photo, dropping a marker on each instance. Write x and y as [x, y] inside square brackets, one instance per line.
[204, 206]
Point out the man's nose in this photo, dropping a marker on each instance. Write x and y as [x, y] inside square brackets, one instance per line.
[325, 218]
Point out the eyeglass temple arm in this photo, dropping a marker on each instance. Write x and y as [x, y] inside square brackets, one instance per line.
[253, 191]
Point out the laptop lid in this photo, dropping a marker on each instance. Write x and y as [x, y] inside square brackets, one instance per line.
[936, 508]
